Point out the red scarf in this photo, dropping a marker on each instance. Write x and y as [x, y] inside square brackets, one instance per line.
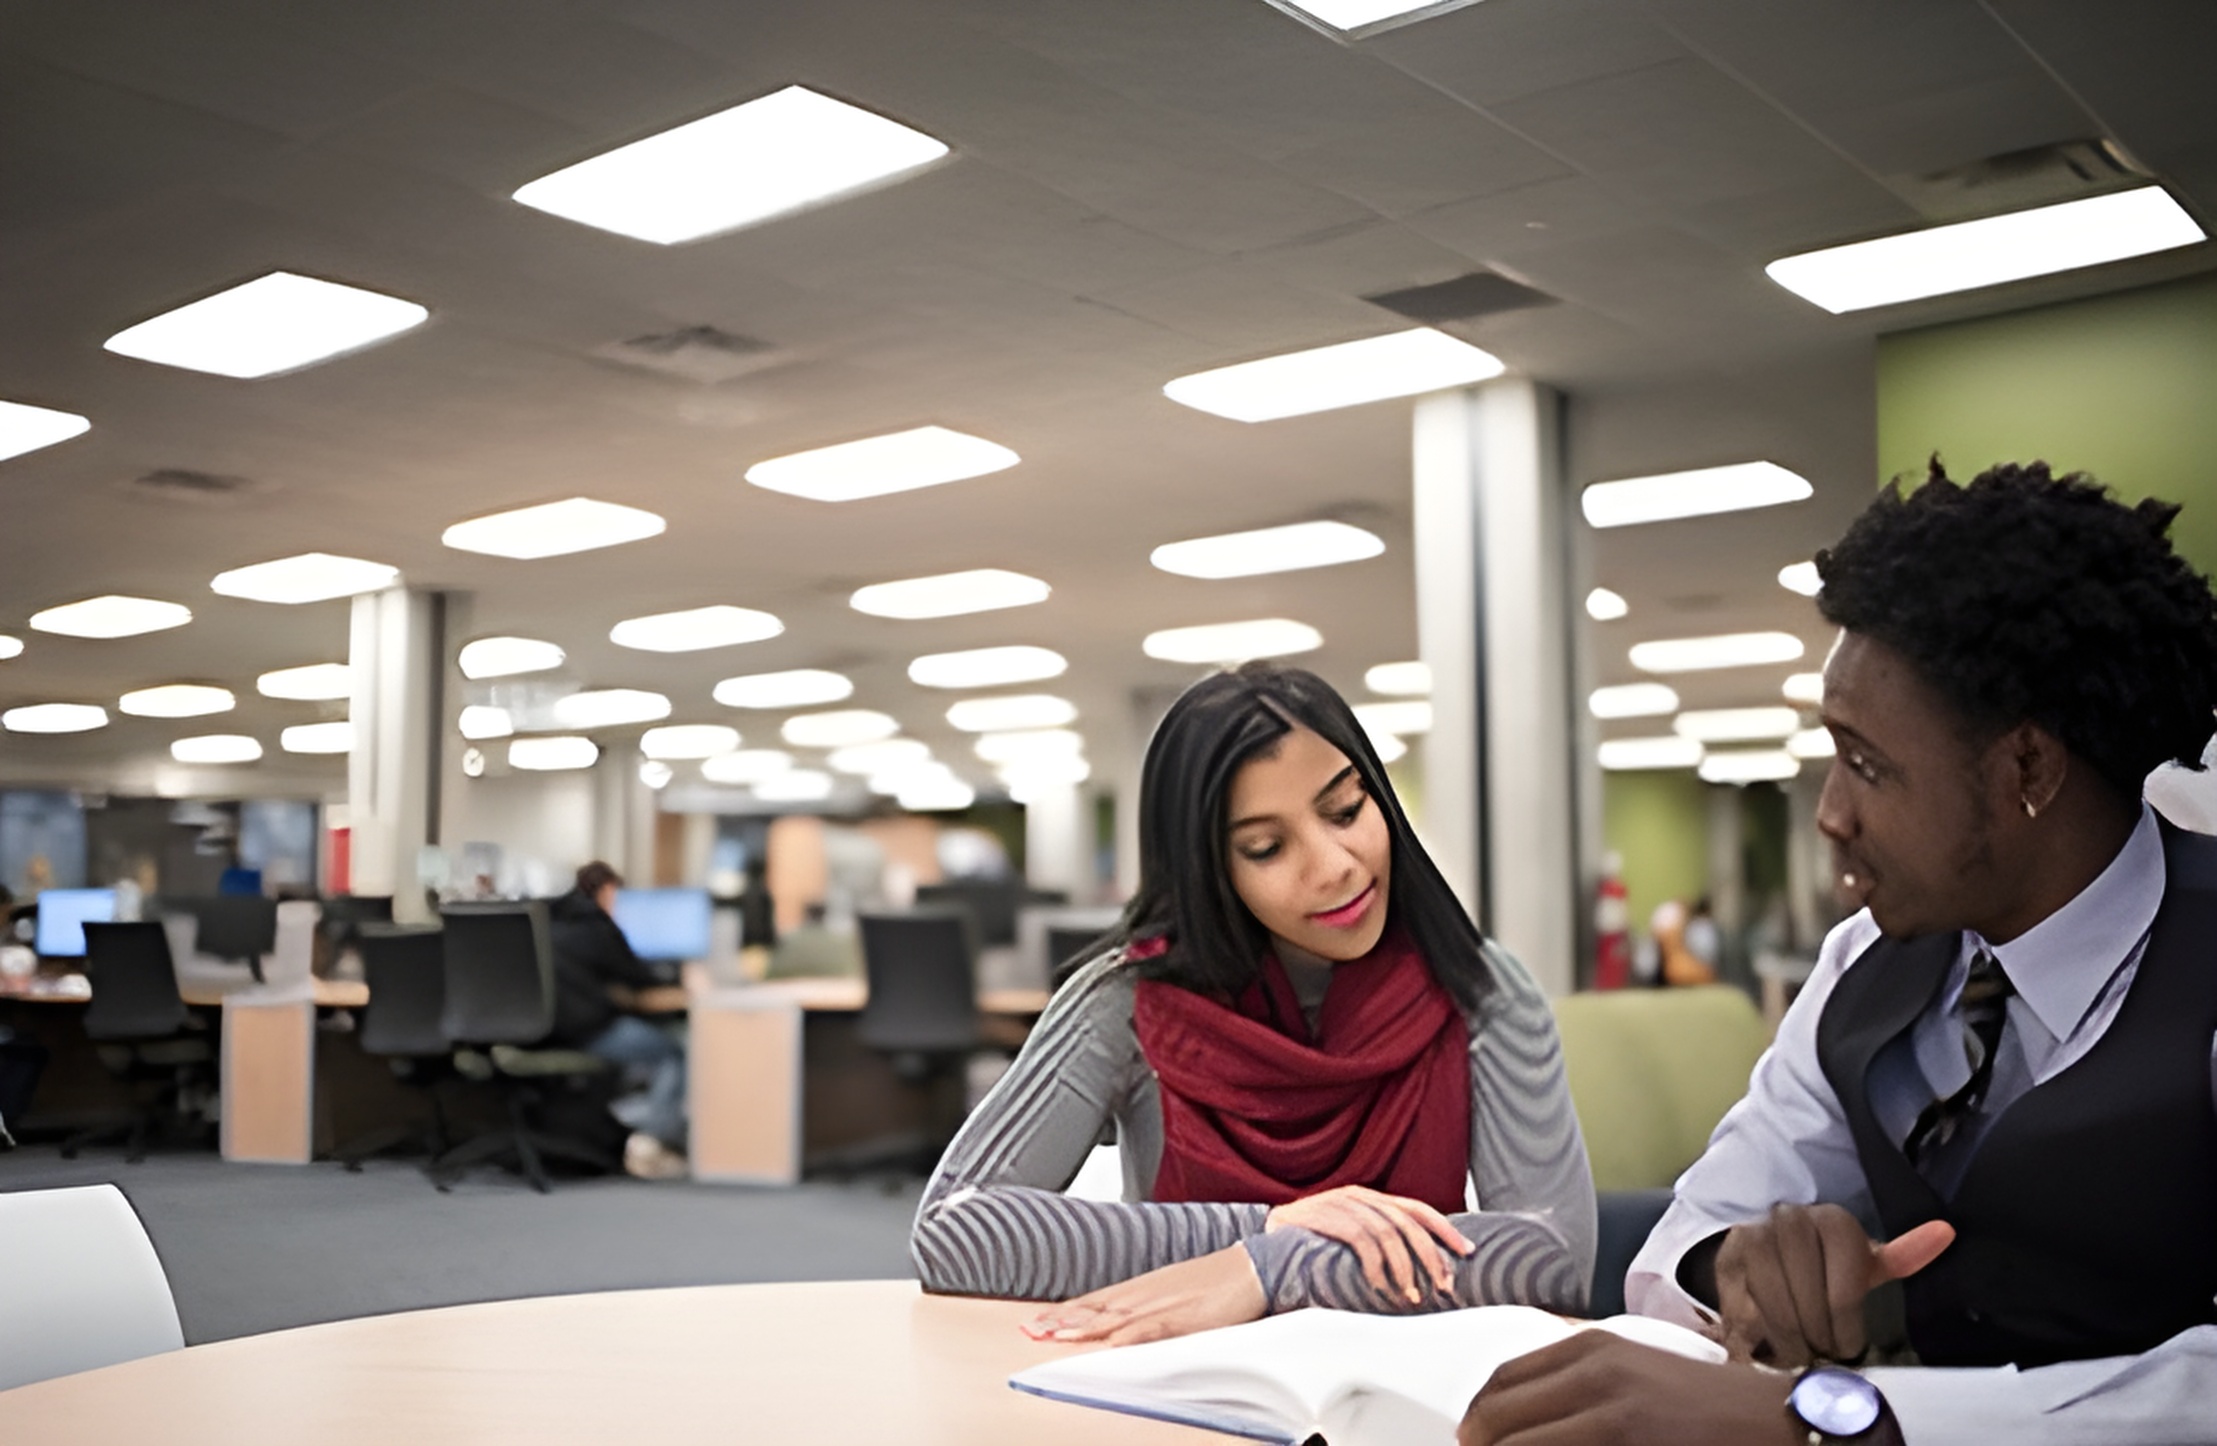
[1379, 1097]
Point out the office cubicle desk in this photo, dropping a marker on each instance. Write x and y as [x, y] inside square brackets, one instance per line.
[849, 1363]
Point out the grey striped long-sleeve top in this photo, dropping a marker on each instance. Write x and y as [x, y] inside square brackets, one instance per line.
[993, 1220]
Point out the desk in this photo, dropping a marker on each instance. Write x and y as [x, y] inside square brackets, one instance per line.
[856, 1363]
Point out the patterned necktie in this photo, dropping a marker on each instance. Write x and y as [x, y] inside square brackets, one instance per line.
[1985, 1006]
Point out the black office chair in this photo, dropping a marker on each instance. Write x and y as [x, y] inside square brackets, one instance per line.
[142, 1031]
[499, 1002]
[1066, 949]
[922, 1010]
[404, 1024]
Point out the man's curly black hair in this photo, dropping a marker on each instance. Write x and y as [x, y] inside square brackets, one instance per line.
[2030, 597]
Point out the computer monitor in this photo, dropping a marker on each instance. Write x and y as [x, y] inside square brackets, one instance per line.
[239, 927]
[667, 925]
[344, 914]
[62, 916]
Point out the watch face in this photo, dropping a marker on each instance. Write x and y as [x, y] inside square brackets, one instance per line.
[1836, 1402]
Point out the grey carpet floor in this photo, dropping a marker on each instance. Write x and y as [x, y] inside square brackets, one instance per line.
[251, 1248]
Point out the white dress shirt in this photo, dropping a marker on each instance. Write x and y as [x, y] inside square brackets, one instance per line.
[1788, 1142]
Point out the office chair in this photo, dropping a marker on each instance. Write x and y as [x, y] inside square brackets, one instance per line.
[141, 1028]
[404, 1024]
[922, 1009]
[85, 1288]
[499, 973]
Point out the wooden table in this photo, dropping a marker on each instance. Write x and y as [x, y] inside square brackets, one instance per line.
[856, 1363]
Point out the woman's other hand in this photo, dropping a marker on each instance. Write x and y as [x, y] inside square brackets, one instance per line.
[1217, 1289]
[1392, 1235]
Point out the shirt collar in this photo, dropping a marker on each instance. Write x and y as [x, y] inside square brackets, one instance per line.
[2059, 965]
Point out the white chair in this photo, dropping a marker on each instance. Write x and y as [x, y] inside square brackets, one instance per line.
[80, 1285]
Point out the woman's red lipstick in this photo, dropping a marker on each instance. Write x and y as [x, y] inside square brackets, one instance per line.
[1349, 914]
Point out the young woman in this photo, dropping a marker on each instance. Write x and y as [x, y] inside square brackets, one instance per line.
[1307, 1053]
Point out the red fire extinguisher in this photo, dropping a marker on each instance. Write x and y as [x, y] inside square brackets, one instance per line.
[1612, 962]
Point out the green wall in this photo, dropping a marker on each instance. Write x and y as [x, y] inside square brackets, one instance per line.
[2123, 386]
[1659, 821]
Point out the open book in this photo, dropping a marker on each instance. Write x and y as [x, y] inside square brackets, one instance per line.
[1353, 1379]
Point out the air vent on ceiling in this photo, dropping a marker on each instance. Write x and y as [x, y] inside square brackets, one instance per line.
[194, 489]
[2036, 176]
[703, 354]
[1478, 293]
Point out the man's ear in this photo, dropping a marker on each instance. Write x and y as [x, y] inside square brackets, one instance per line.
[2039, 764]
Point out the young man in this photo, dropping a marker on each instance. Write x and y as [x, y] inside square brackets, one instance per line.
[2003, 1065]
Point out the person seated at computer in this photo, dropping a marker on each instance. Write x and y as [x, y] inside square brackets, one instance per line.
[595, 971]
[815, 950]
[2002, 1064]
[1306, 1049]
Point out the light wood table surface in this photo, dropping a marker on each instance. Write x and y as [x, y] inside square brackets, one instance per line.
[851, 1363]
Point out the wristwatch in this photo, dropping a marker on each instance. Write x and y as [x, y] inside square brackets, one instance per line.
[1838, 1406]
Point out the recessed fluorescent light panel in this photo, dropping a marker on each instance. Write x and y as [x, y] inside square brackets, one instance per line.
[272, 324]
[656, 774]
[1804, 688]
[176, 700]
[1388, 748]
[1268, 549]
[333, 737]
[1988, 252]
[950, 594]
[216, 748]
[25, 428]
[1232, 642]
[480, 721]
[793, 688]
[1699, 493]
[798, 785]
[1399, 680]
[1604, 606]
[1400, 364]
[610, 708]
[694, 629]
[111, 616]
[841, 729]
[748, 765]
[777, 153]
[54, 718]
[1029, 744]
[1736, 725]
[688, 740]
[1726, 650]
[1633, 700]
[310, 577]
[312, 683]
[1367, 17]
[885, 756]
[887, 782]
[1396, 719]
[1767, 765]
[10, 646]
[553, 529]
[987, 667]
[552, 755]
[938, 795]
[1018, 710]
[1801, 577]
[1043, 772]
[1623, 755]
[1812, 743]
[504, 657]
[876, 466]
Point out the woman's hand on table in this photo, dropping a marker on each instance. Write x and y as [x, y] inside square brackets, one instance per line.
[1392, 1235]
[1217, 1289]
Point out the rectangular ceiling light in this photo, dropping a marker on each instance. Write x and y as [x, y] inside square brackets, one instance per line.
[876, 466]
[1698, 493]
[274, 323]
[1367, 17]
[1029, 743]
[1604, 606]
[1633, 700]
[883, 756]
[1726, 650]
[551, 529]
[763, 158]
[552, 755]
[1801, 577]
[1268, 549]
[333, 737]
[479, 721]
[843, 728]
[719, 626]
[1232, 642]
[681, 741]
[216, 748]
[1399, 680]
[793, 688]
[987, 667]
[796, 785]
[1620, 755]
[1736, 725]
[748, 765]
[54, 718]
[310, 577]
[1988, 252]
[935, 795]
[312, 683]
[505, 657]
[1397, 719]
[1016, 710]
[111, 616]
[1804, 688]
[1399, 364]
[1767, 765]
[25, 428]
[610, 708]
[176, 700]
[950, 594]
[1812, 743]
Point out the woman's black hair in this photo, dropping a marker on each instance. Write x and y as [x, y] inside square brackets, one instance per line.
[1185, 883]
[2027, 597]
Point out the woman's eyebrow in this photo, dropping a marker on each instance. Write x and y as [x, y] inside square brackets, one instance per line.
[1333, 787]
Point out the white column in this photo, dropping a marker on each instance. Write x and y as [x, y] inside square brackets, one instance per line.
[1057, 840]
[397, 655]
[1492, 572]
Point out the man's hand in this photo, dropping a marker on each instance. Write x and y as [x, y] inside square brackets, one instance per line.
[1393, 1236]
[1598, 1389]
[1217, 1289]
[1790, 1289]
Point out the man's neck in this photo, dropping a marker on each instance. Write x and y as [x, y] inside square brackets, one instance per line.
[2077, 840]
